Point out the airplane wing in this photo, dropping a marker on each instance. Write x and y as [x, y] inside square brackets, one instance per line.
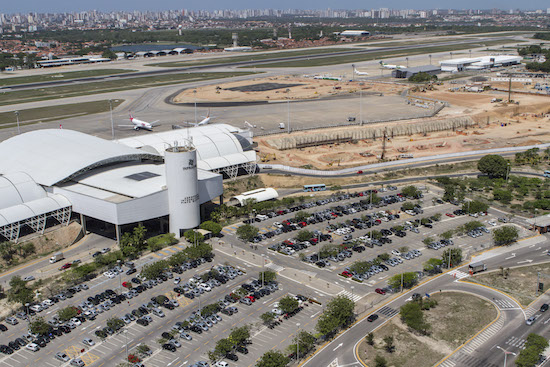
[126, 125]
[155, 123]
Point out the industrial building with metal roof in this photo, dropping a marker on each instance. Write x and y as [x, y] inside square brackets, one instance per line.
[59, 173]
[412, 71]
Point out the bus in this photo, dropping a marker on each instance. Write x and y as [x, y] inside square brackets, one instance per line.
[317, 187]
[546, 174]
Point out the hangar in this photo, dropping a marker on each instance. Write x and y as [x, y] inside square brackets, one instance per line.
[49, 175]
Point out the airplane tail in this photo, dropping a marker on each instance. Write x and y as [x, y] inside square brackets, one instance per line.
[382, 63]
[131, 117]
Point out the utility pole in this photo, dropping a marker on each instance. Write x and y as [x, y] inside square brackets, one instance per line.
[288, 114]
[510, 90]
[384, 146]
[430, 59]
[361, 107]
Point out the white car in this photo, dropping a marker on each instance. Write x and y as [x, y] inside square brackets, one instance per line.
[28, 278]
[205, 286]
[177, 280]
[396, 252]
[221, 364]
[492, 222]
[33, 347]
[76, 321]
[36, 308]
[89, 342]
[109, 274]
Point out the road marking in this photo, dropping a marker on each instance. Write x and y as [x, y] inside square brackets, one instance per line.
[525, 261]
[338, 346]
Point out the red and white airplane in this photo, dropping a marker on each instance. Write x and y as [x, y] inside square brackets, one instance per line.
[139, 124]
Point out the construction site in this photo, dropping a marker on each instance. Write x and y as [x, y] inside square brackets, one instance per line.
[469, 121]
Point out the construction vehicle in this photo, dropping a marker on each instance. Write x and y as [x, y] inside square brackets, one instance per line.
[268, 157]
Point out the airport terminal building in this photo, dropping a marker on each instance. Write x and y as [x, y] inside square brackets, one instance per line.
[47, 176]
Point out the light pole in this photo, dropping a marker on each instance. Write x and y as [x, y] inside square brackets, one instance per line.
[507, 171]
[17, 118]
[451, 54]
[28, 316]
[470, 54]
[352, 294]
[430, 59]
[288, 111]
[195, 95]
[506, 354]
[112, 123]
[407, 59]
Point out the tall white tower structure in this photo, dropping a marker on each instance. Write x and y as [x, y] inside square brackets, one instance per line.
[183, 188]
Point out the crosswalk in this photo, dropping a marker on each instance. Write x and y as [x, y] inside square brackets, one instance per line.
[231, 229]
[447, 363]
[516, 342]
[458, 274]
[388, 311]
[354, 297]
[483, 336]
[504, 304]
[275, 267]
[167, 251]
[530, 311]
[463, 359]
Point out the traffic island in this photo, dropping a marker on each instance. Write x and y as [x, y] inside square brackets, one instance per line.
[464, 314]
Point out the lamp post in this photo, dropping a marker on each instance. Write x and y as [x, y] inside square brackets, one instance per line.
[407, 59]
[17, 118]
[507, 171]
[27, 310]
[288, 111]
[506, 354]
[112, 123]
[195, 95]
[451, 54]
[470, 53]
[361, 107]
[430, 59]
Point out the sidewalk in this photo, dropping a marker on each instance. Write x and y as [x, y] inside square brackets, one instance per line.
[496, 251]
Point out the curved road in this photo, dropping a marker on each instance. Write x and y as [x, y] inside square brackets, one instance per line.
[511, 316]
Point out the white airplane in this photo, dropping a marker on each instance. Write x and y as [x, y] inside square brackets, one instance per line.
[388, 66]
[360, 73]
[138, 124]
[205, 121]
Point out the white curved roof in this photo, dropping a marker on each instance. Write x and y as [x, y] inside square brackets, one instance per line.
[258, 195]
[17, 188]
[21, 212]
[217, 145]
[54, 155]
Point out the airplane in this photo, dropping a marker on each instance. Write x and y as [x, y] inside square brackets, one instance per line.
[138, 124]
[388, 66]
[360, 73]
[205, 121]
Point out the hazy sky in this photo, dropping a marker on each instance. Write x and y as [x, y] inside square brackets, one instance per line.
[106, 5]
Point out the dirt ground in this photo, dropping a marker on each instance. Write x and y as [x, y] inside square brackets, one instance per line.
[306, 88]
[464, 314]
[521, 283]
[499, 125]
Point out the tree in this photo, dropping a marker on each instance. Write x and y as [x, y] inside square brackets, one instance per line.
[273, 358]
[433, 265]
[302, 216]
[267, 276]
[447, 235]
[534, 347]
[67, 313]
[302, 343]
[19, 292]
[210, 309]
[495, 166]
[388, 343]
[411, 192]
[267, 317]
[223, 346]
[369, 339]
[339, 312]
[504, 196]
[108, 54]
[288, 304]
[193, 236]
[455, 254]
[39, 326]
[428, 240]
[153, 270]
[143, 349]
[475, 206]
[304, 235]
[506, 235]
[422, 77]
[240, 334]
[409, 280]
[247, 232]
[211, 226]
[412, 316]
[28, 249]
[380, 361]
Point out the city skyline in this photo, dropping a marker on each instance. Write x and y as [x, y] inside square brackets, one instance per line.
[127, 5]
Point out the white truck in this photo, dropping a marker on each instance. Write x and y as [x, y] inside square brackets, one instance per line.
[58, 256]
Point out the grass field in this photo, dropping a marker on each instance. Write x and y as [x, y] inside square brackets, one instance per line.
[414, 42]
[521, 283]
[455, 319]
[73, 90]
[251, 57]
[335, 60]
[52, 113]
[60, 76]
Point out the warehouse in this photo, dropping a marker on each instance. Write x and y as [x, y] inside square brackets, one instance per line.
[53, 174]
[412, 71]
[479, 63]
[256, 196]
[354, 33]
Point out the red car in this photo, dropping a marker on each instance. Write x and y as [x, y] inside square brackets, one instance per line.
[450, 215]
[347, 274]
[66, 266]
[380, 291]
[359, 172]
[126, 285]
[251, 298]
